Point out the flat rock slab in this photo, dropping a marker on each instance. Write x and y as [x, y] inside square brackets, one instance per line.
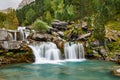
[9, 45]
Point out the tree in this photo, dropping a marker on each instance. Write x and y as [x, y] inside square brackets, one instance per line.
[11, 19]
[2, 19]
[29, 17]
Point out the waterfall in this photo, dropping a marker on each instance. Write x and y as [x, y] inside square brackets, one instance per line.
[15, 36]
[45, 52]
[73, 51]
[22, 33]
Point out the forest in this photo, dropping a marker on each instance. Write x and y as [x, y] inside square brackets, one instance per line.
[100, 15]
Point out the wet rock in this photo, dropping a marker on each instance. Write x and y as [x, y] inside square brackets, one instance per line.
[59, 25]
[116, 72]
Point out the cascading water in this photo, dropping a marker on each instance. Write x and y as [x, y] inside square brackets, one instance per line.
[73, 51]
[46, 52]
[22, 33]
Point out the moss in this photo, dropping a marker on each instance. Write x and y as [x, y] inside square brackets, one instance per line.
[9, 53]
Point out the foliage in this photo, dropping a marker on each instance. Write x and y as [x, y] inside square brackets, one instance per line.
[114, 46]
[29, 16]
[46, 10]
[40, 26]
[8, 20]
[98, 13]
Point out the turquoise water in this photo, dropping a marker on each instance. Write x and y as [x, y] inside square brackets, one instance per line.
[87, 70]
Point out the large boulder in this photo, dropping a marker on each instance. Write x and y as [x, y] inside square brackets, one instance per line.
[3, 35]
[59, 25]
[41, 37]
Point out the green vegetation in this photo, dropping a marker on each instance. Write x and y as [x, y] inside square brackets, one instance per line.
[97, 12]
[102, 17]
[40, 26]
[8, 19]
[9, 53]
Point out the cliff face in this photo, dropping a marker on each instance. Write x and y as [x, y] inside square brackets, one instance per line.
[24, 2]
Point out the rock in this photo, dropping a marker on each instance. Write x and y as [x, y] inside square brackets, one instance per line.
[10, 37]
[118, 61]
[84, 36]
[17, 58]
[39, 37]
[9, 45]
[3, 35]
[51, 30]
[112, 35]
[59, 25]
[116, 72]
[61, 34]
[55, 34]
[24, 46]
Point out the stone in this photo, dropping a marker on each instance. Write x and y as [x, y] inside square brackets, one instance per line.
[116, 72]
[55, 34]
[39, 37]
[84, 36]
[59, 25]
[3, 35]
[61, 34]
[11, 45]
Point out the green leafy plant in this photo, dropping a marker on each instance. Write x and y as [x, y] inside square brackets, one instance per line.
[40, 26]
[9, 53]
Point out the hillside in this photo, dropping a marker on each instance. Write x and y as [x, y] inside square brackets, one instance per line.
[95, 22]
[24, 3]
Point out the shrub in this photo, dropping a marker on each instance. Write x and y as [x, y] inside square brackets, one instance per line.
[40, 26]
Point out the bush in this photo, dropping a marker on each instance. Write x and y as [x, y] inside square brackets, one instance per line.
[40, 26]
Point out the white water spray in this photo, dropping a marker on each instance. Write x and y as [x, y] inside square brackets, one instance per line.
[47, 52]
